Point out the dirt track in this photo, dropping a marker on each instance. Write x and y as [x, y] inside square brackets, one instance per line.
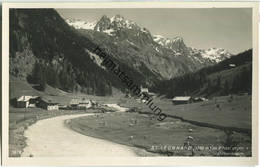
[50, 137]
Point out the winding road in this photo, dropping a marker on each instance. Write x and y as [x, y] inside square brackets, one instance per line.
[50, 137]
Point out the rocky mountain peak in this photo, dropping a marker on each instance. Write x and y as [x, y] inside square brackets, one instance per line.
[177, 44]
[123, 29]
[107, 25]
[103, 24]
[104, 17]
[117, 17]
[119, 22]
[178, 39]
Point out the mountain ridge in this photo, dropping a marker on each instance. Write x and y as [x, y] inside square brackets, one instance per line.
[123, 37]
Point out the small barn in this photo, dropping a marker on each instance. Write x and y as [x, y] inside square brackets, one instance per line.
[199, 99]
[26, 101]
[232, 65]
[182, 100]
[47, 105]
[62, 107]
[144, 90]
[81, 104]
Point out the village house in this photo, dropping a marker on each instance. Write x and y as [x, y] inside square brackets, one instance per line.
[232, 65]
[93, 103]
[81, 104]
[47, 104]
[144, 90]
[182, 100]
[26, 101]
[62, 107]
[199, 99]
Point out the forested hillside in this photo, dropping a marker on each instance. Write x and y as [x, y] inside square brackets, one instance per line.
[233, 75]
[44, 49]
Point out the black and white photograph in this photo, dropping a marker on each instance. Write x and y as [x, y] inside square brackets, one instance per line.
[127, 82]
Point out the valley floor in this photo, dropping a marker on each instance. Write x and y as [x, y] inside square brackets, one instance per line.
[140, 131]
[170, 137]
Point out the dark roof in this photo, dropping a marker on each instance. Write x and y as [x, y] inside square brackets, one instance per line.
[48, 101]
[79, 101]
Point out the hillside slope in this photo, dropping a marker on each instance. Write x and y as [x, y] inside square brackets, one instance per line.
[233, 75]
[44, 49]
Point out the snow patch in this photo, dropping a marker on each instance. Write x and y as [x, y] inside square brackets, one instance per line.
[130, 42]
[144, 30]
[80, 24]
[121, 22]
[109, 32]
[216, 54]
[199, 60]
[95, 58]
[178, 54]
[158, 36]
[156, 48]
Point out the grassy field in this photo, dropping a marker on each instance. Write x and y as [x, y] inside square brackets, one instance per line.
[218, 111]
[167, 137]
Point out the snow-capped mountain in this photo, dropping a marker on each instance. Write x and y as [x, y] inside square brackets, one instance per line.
[106, 24]
[135, 45]
[212, 54]
[116, 23]
[216, 54]
[80, 24]
[177, 44]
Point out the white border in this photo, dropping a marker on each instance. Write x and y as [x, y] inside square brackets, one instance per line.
[104, 161]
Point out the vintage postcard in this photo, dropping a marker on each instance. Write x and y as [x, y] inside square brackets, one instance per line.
[130, 83]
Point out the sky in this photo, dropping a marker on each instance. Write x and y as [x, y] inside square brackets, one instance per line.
[229, 28]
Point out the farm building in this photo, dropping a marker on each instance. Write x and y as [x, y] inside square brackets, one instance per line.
[152, 94]
[199, 99]
[26, 101]
[47, 105]
[144, 90]
[182, 100]
[81, 104]
[63, 107]
[232, 65]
